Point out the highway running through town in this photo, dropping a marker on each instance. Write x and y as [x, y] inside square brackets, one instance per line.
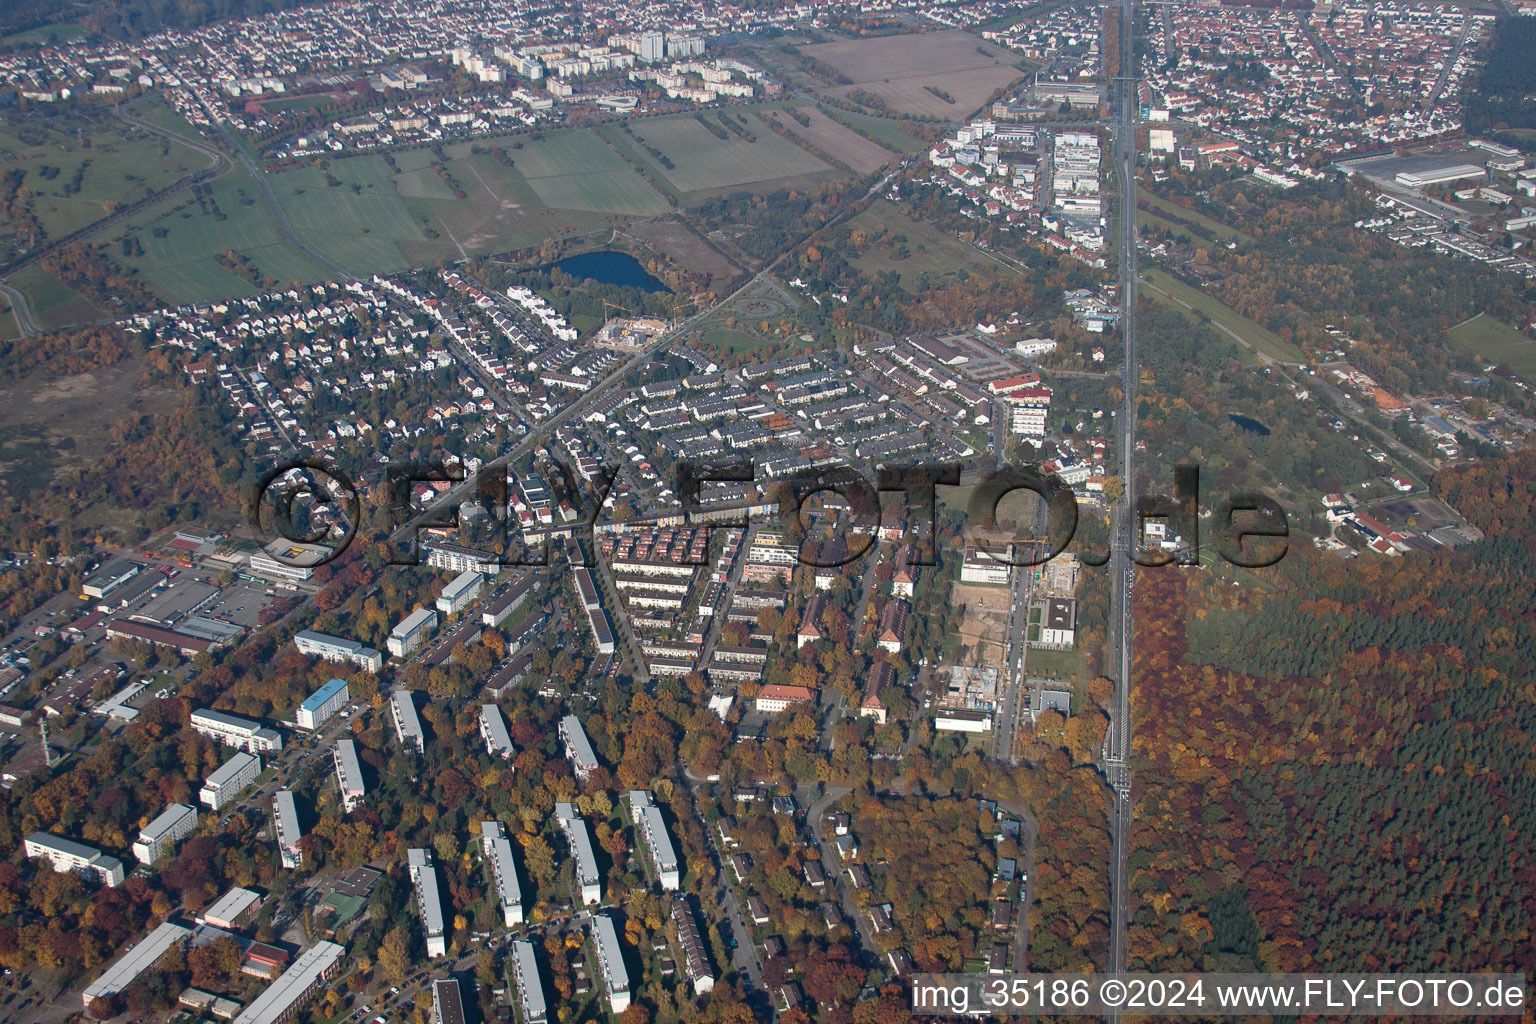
[1122, 565]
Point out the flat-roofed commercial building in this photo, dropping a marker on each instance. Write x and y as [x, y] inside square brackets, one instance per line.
[402, 708]
[412, 632]
[229, 780]
[498, 854]
[578, 749]
[206, 1003]
[321, 704]
[109, 577]
[160, 836]
[1441, 175]
[963, 721]
[428, 904]
[447, 1002]
[653, 829]
[337, 648]
[232, 911]
[610, 962]
[288, 560]
[190, 639]
[349, 775]
[138, 959]
[493, 729]
[284, 996]
[234, 731]
[463, 589]
[68, 855]
[580, 841]
[530, 989]
[695, 957]
[285, 819]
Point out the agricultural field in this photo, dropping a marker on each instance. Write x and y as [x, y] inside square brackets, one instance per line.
[175, 244]
[377, 214]
[1497, 342]
[152, 108]
[44, 35]
[836, 140]
[579, 171]
[308, 101]
[361, 214]
[702, 162]
[358, 224]
[888, 133]
[79, 173]
[906, 71]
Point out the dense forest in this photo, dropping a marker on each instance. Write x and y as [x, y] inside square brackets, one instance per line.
[1348, 745]
[1504, 95]
[131, 19]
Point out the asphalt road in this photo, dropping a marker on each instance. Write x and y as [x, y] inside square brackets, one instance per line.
[1122, 565]
[18, 302]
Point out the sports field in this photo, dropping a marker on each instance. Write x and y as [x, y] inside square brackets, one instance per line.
[702, 162]
[1497, 342]
[836, 140]
[899, 68]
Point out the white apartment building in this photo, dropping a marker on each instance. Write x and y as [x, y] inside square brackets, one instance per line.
[580, 841]
[429, 904]
[285, 818]
[68, 855]
[321, 705]
[160, 836]
[402, 708]
[498, 854]
[610, 962]
[578, 749]
[336, 648]
[653, 829]
[237, 732]
[349, 775]
[412, 632]
[458, 594]
[493, 729]
[229, 780]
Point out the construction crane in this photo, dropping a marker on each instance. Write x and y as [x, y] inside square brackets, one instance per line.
[614, 305]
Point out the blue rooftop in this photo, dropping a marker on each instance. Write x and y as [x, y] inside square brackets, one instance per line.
[316, 700]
